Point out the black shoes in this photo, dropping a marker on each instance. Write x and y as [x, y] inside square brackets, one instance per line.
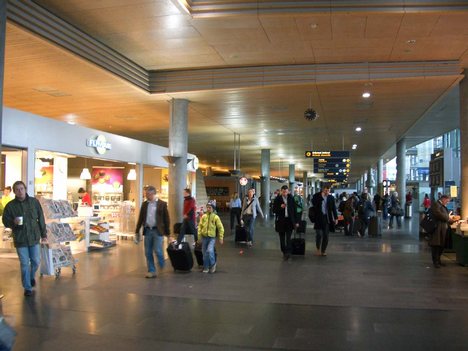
[437, 265]
[33, 282]
[286, 257]
[28, 293]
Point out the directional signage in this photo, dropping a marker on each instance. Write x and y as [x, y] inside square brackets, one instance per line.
[327, 154]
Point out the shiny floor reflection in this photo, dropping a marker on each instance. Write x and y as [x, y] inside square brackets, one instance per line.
[367, 294]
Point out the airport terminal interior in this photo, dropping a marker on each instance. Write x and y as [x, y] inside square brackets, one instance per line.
[102, 99]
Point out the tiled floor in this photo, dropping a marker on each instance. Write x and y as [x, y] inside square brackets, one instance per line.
[367, 294]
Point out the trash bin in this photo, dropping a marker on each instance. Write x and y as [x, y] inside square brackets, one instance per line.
[408, 210]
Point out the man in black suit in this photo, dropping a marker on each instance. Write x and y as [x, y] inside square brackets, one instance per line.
[326, 217]
[284, 208]
[154, 218]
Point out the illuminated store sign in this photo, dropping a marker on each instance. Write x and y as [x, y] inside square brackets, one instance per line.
[99, 143]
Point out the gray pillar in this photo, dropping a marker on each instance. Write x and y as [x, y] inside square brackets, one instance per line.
[178, 149]
[401, 168]
[370, 181]
[265, 177]
[305, 189]
[464, 145]
[292, 177]
[380, 176]
[2, 69]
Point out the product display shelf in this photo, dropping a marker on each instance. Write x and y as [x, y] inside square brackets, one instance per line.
[127, 223]
[99, 235]
[57, 253]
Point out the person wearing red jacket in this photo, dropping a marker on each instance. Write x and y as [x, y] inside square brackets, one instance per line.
[189, 222]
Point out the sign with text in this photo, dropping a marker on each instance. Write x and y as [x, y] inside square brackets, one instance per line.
[327, 154]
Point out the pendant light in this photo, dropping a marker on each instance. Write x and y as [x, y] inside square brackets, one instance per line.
[132, 175]
[85, 175]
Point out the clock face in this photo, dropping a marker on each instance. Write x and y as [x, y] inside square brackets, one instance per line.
[195, 163]
[243, 181]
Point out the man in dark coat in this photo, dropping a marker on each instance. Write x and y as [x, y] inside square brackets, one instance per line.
[286, 219]
[443, 219]
[326, 217]
[154, 218]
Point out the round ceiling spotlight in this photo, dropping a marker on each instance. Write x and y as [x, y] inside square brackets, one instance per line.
[358, 129]
[310, 114]
[366, 95]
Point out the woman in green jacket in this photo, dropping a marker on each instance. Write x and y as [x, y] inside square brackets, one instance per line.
[210, 226]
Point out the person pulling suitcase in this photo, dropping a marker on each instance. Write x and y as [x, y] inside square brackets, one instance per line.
[209, 228]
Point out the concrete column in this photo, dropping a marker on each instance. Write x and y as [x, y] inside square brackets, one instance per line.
[2, 73]
[178, 141]
[265, 179]
[305, 189]
[380, 176]
[370, 181]
[464, 145]
[292, 177]
[401, 169]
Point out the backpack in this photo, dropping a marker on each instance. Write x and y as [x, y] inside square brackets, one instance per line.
[361, 209]
[341, 206]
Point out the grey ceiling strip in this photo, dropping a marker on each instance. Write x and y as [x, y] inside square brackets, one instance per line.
[245, 77]
[43, 23]
[201, 8]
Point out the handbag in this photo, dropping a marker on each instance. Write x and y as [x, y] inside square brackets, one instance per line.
[428, 223]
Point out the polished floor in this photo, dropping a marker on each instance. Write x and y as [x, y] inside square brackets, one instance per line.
[367, 294]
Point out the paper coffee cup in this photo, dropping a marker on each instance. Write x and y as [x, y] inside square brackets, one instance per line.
[20, 220]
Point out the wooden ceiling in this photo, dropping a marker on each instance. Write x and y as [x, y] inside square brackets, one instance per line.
[45, 79]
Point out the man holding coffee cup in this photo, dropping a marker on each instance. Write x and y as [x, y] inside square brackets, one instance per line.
[25, 218]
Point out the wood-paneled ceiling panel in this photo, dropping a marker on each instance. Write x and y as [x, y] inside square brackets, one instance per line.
[46, 80]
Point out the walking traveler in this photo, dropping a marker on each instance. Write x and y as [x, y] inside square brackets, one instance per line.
[365, 210]
[286, 219]
[235, 207]
[189, 222]
[395, 210]
[326, 217]
[209, 228]
[25, 217]
[250, 208]
[154, 218]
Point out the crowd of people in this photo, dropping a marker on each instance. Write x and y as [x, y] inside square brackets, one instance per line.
[353, 212]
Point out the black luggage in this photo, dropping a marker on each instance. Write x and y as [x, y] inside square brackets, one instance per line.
[302, 227]
[375, 226]
[241, 234]
[180, 256]
[297, 245]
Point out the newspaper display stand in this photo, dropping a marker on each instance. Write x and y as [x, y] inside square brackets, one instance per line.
[57, 252]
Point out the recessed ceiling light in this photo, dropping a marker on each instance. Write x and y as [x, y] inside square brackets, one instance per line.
[366, 95]
[72, 123]
[314, 25]
[411, 41]
[280, 133]
[358, 129]
[354, 146]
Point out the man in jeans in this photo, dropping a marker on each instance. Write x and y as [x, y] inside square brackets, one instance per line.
[25, 218]
[326, 216]
[154, 218]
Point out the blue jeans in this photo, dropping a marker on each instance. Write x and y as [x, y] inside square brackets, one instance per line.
[249, 223]
[30, 259]
[153, 243]
[208, 246]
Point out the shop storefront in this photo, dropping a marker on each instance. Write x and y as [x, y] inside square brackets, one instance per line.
[56, 160]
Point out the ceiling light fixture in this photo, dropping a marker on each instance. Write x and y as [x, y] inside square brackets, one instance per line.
[358, 129]
[366, 95]
[132, 175]
[411, 41]
[85, 175]
[354, 147]
[314, 25]
[72, 123]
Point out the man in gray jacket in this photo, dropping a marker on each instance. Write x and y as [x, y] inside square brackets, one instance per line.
[25, 218]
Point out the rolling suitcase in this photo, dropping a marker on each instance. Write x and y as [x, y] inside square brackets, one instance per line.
[375, 226]
[302, 227]
[180, 256]
[297, 244]
[241, 234]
